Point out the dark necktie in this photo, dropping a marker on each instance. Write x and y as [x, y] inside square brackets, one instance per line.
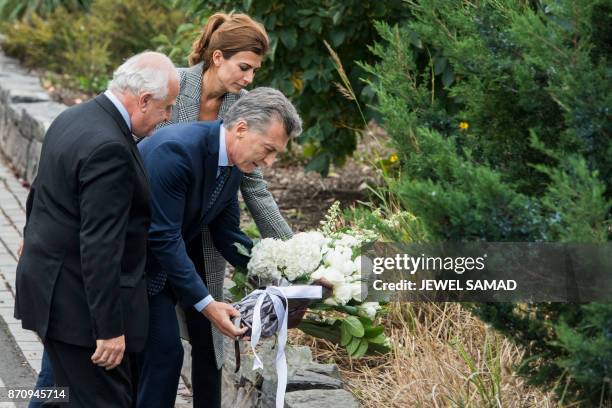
[224, 172]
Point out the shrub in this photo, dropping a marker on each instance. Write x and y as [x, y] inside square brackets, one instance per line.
[86, 47]
[15, 10]
[300, 65]
[499, 112]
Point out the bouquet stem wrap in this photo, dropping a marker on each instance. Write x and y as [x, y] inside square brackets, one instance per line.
[269, 326]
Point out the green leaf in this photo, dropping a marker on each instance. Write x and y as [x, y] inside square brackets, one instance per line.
[353, 346]
[336, 17]
[237, 293]
[448, 77]
[289, 38]
[345, 336]
[439, 65]
[380, 339]
[240, 278]
[319, 163]
[309, 150]
[320, 330]
[316, 25]
[361, 350]
[366, 322]
[242, 250]
[337, 37]
[374, 331]
[354, 326]
[415, 40]
[251, 230]
[273, 45]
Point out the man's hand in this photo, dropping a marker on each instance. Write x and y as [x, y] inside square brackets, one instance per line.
[328, 288]
[220, 314]
[296, 313]
[299, 308]
[109, 352]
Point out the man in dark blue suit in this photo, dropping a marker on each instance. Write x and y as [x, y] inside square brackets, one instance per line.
[195, 170]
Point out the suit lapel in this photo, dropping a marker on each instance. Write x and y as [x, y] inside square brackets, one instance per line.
[109, 108]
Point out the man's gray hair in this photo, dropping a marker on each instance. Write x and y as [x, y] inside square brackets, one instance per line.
[145, 72]
[258, 107]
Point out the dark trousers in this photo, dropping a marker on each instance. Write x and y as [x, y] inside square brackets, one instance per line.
[90, 386]
[159, 364]
[45, 378]
[205, 377]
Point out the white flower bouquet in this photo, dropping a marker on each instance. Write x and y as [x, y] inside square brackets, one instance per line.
[329, 256]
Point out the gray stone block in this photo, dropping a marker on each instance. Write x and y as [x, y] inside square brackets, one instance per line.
[330, 370]
[20, 83]
[314, 398]
[308, 380]
[303, 379]
[33, 160]
[38, 116]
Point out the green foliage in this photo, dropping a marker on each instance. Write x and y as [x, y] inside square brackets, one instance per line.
[15, 10]
[588, 347]
[487, 382]
[357, 334]
[86, 47]
[499, 113]
[300, 65]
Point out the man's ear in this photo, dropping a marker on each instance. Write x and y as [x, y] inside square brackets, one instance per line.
[241, 127]
[144, 99]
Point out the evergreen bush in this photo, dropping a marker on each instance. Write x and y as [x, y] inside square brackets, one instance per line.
[500, 115]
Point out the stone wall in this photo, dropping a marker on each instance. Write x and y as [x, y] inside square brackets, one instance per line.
[308, 383]
[26, 111]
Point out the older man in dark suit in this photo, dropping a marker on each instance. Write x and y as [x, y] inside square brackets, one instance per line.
[80, 279]
[195, 171]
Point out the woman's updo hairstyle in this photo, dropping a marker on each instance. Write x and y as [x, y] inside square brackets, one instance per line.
[230, 34]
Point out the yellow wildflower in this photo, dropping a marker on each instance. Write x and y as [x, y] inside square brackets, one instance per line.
[296, 80]
[464, 125]
[393, 158]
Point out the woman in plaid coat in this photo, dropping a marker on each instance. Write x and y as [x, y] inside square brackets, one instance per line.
[223, 59]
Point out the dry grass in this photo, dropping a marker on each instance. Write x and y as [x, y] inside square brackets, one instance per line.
[442, 357]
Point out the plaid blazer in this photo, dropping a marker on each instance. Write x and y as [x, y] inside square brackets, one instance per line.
[257, 198]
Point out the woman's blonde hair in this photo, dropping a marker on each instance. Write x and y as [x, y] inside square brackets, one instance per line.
[230, 34]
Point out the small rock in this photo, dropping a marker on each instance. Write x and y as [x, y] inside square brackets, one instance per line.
[314, 398]
[330, 370]
[308, 380]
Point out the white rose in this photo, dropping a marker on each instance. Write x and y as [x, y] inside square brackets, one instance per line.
[347, 267]
[330, 301]
[369, 309]
[338, 256]
[356, 291]
[332, 275]
[342, 293]
[347, 240]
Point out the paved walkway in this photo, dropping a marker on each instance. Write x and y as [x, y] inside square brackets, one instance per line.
[13, 197]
